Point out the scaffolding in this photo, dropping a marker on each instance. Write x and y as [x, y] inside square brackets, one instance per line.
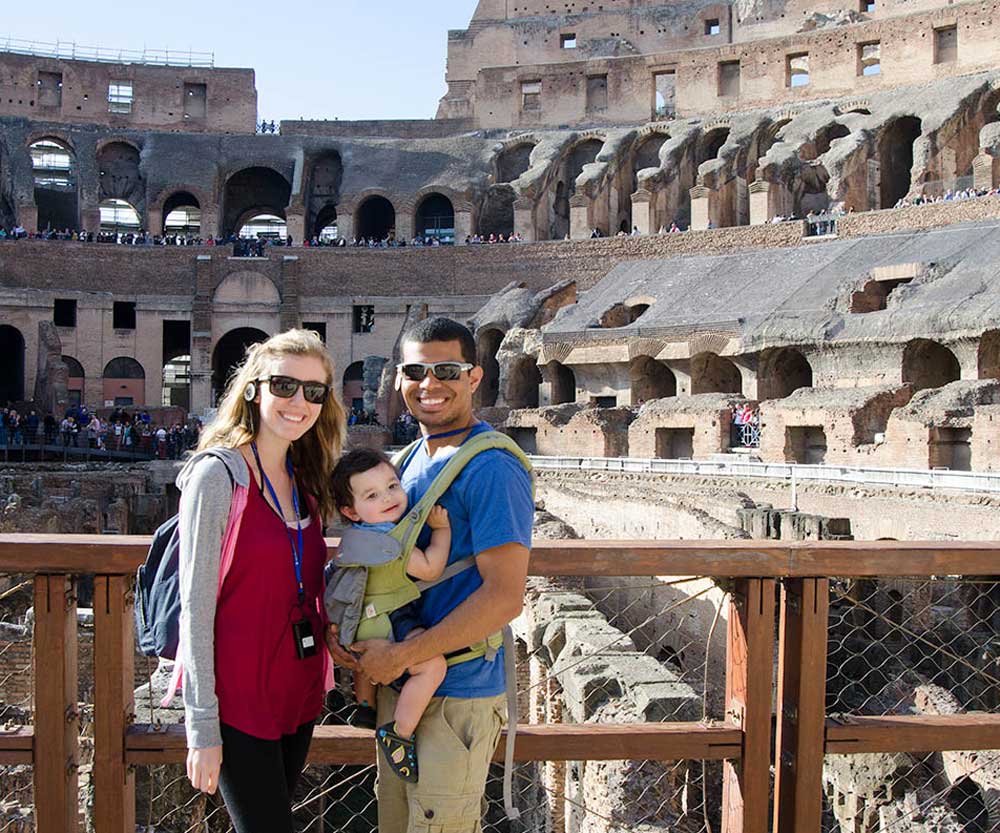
[72, 51]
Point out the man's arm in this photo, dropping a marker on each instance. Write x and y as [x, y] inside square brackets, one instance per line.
[498, 601]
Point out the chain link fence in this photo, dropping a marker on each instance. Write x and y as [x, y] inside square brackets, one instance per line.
[16, 694]
[588, 651]
[907, 646]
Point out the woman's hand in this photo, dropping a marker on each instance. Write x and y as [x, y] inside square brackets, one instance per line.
[203, 767]
[340, 655]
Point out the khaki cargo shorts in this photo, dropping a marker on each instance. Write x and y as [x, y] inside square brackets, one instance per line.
[456, 739]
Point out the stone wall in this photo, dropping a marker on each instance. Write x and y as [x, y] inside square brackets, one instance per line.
[159, 101]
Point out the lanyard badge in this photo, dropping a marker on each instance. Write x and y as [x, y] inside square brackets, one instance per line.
[302, 631]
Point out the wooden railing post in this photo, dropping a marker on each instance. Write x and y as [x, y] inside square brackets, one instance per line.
[802, 646]
[749, 660]
[114, 782]
[56, 748]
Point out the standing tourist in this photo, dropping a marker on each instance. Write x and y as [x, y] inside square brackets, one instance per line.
[491, 510]
[253, 501]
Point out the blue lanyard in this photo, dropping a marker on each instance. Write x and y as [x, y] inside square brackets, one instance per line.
[296, 550]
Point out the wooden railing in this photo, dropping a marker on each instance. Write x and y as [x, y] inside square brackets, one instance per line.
[766, 576]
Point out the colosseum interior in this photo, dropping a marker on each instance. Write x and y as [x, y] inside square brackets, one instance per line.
[729, 269]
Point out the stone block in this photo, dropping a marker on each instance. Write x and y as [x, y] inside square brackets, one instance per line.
[587, 686]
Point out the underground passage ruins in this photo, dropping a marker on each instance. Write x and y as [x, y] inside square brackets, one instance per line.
[733, 271]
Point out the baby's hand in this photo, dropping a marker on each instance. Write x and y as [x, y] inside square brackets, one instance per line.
[438, 518]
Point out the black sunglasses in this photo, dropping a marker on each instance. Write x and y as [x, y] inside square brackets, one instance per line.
[443, 371]
[285, 387]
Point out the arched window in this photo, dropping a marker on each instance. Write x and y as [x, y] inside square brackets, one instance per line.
[119, 217]
[124, 367]
[182, 214]
[54, 169]
[376, 219]
[436, 218]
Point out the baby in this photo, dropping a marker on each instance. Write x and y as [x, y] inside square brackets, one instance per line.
[368, 493]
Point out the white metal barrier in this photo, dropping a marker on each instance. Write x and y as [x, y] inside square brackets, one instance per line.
[969, 481]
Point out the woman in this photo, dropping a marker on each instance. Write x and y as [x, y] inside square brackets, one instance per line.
[253, 499]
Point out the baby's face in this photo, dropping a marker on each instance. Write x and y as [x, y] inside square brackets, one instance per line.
[378, 496]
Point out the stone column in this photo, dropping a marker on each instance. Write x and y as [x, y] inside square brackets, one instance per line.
[345, 225]
[463, 224]
[405, 225]
[289, 310]
[295, 221]
[984, 171]
[90, 218]
[579, 217]
[702, 207]
[153, 221]
[27, 216]
[643, 213]
[681, 368]
[209, 221]
[967, 353]
[524, 219]
[201, 337]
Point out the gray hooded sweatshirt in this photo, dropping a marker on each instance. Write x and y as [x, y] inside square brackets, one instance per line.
[206, 497]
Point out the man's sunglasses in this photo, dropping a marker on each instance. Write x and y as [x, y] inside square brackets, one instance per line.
[284, 387]
[443, 371]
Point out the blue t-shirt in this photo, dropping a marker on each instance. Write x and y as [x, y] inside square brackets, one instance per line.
[489, 504]
[382, 526]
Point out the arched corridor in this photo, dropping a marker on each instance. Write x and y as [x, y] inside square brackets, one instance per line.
[229, 353]
[895, 156]
[523, 381]
[781, 371]
[714, 374]
[650, 379]
[927, 364]
[487, 346]
[375, 219]
[435, 218]
[12, 367]
[562, 383]
[252, 192]
[54, 171]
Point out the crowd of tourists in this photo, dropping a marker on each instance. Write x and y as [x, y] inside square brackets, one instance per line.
[80, 428]
[947, 196]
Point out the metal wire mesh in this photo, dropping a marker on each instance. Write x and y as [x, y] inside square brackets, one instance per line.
[16, 694]
[913, 646]
[623, 650]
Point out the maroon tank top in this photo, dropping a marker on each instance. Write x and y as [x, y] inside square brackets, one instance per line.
[264, 689]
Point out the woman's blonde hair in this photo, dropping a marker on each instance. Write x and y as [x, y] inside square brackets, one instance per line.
[238, 421]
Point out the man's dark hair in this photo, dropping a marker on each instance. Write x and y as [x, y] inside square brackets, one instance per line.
[442, 329]
[353, 462]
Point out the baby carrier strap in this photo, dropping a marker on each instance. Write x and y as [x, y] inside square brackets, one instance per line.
[409, 527]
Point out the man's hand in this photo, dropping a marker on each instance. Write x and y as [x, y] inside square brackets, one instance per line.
[203, 766]
[340, 656]
[381, 660]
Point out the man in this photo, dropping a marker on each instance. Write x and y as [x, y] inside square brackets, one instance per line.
[491, 510]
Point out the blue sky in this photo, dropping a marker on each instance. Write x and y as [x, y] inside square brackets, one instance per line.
[345, 59]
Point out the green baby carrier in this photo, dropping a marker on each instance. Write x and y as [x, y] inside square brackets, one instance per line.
[370, 579]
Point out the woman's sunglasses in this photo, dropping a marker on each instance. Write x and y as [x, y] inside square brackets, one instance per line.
[285, 387]
[443, 371]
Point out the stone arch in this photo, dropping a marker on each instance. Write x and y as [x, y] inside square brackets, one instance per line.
[650, 379]
[711, 373]
[187, 219]
[895, 156]
[435, 217]
[325, 178]
[562, 383]
[229, 353]
[353, 386]
[710, 143]
[810, 192]
[513, 161]
[523, 381]
[820, 143]
[250, 192]
[496, 216]
[573, 161]
[75, 379]
[119, 174]
[375, 218]
[781, 371]
[54, 169]
[246, 288]
[989, 355]
[12, 348]
[487, 346]
[123, 382]
[119, 216]
[928, 364]
[646, 154]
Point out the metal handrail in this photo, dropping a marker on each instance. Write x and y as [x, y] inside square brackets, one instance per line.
[71, 51]
[970, 481]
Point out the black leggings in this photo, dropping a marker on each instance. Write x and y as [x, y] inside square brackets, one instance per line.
[259, 776]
